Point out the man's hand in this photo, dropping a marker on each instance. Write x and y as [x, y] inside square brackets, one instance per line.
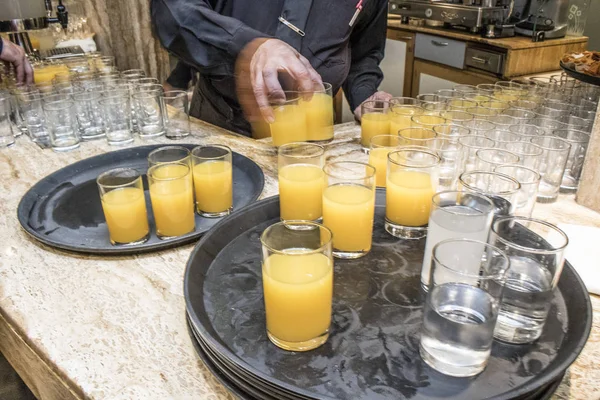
[257, 71]
[15, 55]
[377, 96]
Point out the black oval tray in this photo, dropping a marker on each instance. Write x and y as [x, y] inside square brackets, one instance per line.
[573, 73]
[372, 351]
[63, 209]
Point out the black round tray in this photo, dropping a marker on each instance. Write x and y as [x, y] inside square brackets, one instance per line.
[63, 209]
[372, 351]
[573, 73]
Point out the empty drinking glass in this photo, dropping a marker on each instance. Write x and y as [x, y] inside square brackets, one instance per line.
[488, 159]
[117, 119]
[552, 166]
[89, 115]
[527, 130]
[579, 143]
[6, 133]
[62, 125]
[529, 179]
[177, 110]
[522, 115]
[536, 252]
[452, 161]
[149, 114]
[460, 104]
[471, 145]
[479, 127]
[502, 137]
[461, 308]
[530, 154]
[501, 189]
[451, 131]
[30, 106]
[456, 117]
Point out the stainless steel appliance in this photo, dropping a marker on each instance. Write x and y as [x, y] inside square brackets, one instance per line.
[541, 18]
[475, 15]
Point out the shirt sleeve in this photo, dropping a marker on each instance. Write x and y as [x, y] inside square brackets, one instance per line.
[1, 45]
[367, 45]
[181, 76]
[199, 36]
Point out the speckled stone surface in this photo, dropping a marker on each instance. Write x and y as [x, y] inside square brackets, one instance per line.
[114, 328]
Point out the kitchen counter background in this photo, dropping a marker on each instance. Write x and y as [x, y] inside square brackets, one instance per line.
[81, 326]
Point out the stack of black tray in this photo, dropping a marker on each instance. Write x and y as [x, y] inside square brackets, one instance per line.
[372, 351]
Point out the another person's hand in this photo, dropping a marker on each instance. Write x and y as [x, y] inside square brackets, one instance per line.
[257, 75]
[380, 95]
[13, 54]
[167, 87]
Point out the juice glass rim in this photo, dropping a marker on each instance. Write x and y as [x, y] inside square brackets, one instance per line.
[218, 146]
[171, 147]
[327, 87]
[435, 158]
[151, 170]
[285, 224]
[416, 117]
[450, 242]
[369, 171]
[482, 191]
[373, 105]
[380, 146]
[320, 150]
[135, 176]
[528, 223]
[436, 200]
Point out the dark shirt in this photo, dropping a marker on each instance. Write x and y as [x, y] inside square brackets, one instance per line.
[209, 34]
[181, 76]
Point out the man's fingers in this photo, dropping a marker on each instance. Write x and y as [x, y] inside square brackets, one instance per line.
[28, 73]
[314, 75]
[272, 84]
[262, 100]
[300, 74]
[20, 72]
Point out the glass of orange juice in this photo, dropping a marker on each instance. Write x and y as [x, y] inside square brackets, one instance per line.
[290, 120]
[213, 180]
[297, 274]
[381, 146]
[318, 107]
[349, 207]
[172, 197]
[427, 121]
[301, 181]
[415, 136]
[124, 205]
[374, 121]
[401, 111]
[412, 180]
[170, 154]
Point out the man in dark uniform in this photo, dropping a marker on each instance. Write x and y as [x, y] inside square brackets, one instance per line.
[242, 48]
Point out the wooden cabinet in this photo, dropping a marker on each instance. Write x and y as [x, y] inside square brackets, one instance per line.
[428, 77]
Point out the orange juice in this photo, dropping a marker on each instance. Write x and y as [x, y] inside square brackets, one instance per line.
[260, 130]
[126, 216]
[348, 211]
[289, 125]
[319, 116]
[378, 159]
[408, 197]
[213, 186]
[506, 96]
[400, 118]
[47, 73]
[301, 192]
[373, 124]
[298, 290]
[172, 201]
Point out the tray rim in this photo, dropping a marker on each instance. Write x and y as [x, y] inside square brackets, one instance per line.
[517, 391]
[122, 250]
[580, 76]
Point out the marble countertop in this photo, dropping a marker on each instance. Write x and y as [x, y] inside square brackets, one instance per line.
[81, 326]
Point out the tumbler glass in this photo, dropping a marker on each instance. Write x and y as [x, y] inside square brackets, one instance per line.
[30, 107]
[172, 197]
[290, 120]
[177, 110]
[527, 130]
[89, 115]
[124, 205]
[6, 134]
[579, 143]
[427, 121]
[502, 137]
[548, 124]
[451, 131]
[488, 159]
[381, 146]
[349, 207]
[297, 275]
[149, 114]
[301, 181]
[536, 252]
[412, 180]
[319, 112]
[170, 154]
[375, 121]
[529, 179]
[461, 308]
[456, 117]
[456, 215]
[415, 136]
[479, 127]
[503, 121]
[213, 180]
[402, 109]
[460, 104]
[471, 145]
[62, 125]
[501, 189]
[452, 161]
[117, 119]
[552, 167]
[523, 104]
[483, 112]
[530, 154]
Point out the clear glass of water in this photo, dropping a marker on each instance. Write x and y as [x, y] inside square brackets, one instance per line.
[536, 251]
[456, 215]
[461, 309]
